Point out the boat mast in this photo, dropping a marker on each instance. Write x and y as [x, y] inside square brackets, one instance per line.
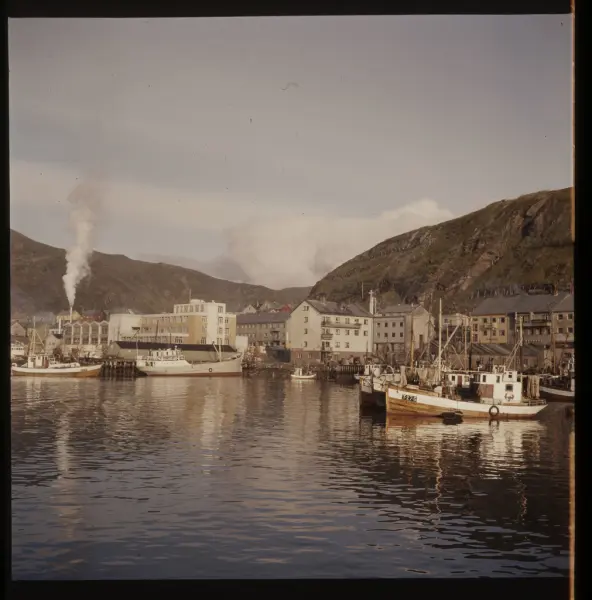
[440, 342]
[412, 349]
[465, 327]
[552, 344]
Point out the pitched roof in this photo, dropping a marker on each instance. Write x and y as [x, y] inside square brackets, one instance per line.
[336, 308]
[19, 338]
[537, 302]
[566, 304]
[398, 309]
[496, 305]
[260, 318]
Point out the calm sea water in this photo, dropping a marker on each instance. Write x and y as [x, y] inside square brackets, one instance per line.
[220, 478]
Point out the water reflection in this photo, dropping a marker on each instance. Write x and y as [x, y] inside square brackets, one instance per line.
[274, 478]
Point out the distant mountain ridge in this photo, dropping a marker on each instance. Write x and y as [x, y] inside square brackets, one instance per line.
[506, 247]
[118, 281]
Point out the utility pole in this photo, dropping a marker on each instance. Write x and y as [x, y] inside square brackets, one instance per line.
[440, 341]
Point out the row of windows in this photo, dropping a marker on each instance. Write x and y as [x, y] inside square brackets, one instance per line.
[393, 334]
[262, 326]
[393, 324]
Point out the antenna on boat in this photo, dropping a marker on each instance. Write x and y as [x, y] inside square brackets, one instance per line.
[440, 342]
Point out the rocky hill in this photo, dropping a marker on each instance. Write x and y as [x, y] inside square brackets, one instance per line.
[509, 245]
[118, 281]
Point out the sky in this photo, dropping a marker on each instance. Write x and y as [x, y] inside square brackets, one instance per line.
[271, 150]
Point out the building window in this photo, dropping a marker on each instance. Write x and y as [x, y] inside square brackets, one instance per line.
[386, 323]
[570, 316]
[219, 329]
[401, 324]
[560, 317]
[305, 307]
[475, 339]
[386, 335]
[365, 321]
[475, 327]
[337, 319]
[497, 379]
[305, 331]
[356, 332]
[502, 319]
[509, 386]
[378, 324]
[401, 334]
[219, 309]
[336, 344]
[338, 331]
[305, 345]
[203, 340]
[560, 330]
[356, 320]
[570, 330]
[306, 319]
[347, 344]
[365, 332]
[493, 320]
[485, 319]
[502, 332]
[393, 334]
[347, 320]
[347, 332]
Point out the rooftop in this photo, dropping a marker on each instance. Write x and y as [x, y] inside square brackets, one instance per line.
[521, 303]
[566, 304]
[337, 308]
[260, 318]
[395, 309]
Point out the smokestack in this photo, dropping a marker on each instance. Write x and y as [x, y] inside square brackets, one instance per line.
[70, 315]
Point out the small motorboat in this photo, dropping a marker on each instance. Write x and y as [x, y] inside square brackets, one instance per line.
[299, 373]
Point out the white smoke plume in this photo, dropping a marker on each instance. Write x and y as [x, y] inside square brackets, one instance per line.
[300, 250]
[86, 202]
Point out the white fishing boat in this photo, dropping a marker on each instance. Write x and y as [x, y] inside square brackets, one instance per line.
[373, 384]
[299, 373]
[42, 365]
[492, 395]
[171, 362]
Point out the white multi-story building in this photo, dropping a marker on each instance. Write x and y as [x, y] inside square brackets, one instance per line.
[319, 330]
[217, 327]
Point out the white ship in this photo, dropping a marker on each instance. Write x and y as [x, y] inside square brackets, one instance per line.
[42, 365]
[172, 362]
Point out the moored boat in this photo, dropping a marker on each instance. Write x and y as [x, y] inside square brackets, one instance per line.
[495, 395]
[42, 365]
[558, 389]
[299, 373]
[171, 362]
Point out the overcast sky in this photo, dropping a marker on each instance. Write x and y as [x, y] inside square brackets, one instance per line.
[282, 146]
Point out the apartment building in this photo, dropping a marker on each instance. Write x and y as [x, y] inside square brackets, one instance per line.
[563, 322]
[490, 321]
[216, 326]
[264, 329]
[319, 330]
[393, 327]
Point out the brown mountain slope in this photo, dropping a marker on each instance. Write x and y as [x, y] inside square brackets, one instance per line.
[118, 281]
[506, 245]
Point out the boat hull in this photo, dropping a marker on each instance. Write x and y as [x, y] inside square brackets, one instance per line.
[369, 397]
[303, 377]
[555, 395]
[404, 401]
[231, 368]
[92, 371]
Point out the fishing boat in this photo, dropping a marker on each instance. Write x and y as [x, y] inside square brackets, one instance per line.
[299, 373]
[171, 362]
[373, 385]
[558, 389]
[42, 365]
[494, 395]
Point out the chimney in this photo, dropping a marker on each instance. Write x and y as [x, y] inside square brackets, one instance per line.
[372, 307]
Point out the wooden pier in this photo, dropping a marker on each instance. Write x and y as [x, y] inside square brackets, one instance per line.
[120, 369]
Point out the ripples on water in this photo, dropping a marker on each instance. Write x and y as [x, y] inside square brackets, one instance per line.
[188, 478]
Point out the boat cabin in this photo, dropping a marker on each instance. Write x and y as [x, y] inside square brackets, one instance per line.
[500, 386]
[461, 380]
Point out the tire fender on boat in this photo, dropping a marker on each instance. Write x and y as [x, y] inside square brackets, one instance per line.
[210, 369]
[493, 411]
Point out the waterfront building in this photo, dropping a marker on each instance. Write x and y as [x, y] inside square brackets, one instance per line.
[18, 346]
[393, 326]
[16, 329]
[490, 321]
[320, 330]
[264, 329]
[130, 350]
[65, 317]
[85, 337]
[203, 322]
[123, 326]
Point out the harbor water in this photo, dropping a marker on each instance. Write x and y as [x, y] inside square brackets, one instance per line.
[267, 477]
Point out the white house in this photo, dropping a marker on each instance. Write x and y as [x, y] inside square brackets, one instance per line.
[18, 347]
[319, 330]
[121, 326]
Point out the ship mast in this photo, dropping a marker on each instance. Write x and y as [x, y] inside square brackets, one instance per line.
[440, 342]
